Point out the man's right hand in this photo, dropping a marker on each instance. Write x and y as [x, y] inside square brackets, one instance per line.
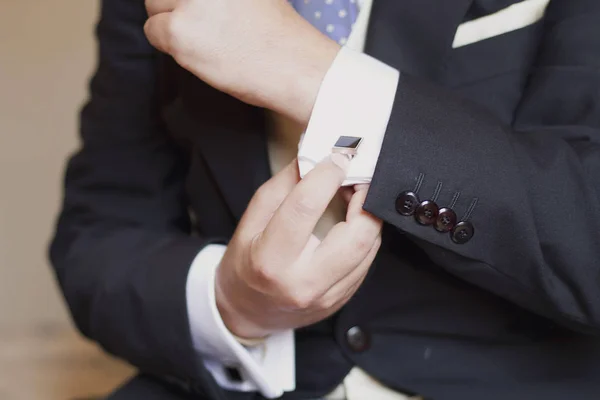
[276, 274]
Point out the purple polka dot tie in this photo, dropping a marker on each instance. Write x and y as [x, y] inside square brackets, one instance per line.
[332, 17]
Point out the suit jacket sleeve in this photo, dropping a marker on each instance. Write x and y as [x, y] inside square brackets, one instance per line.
[122, 248]
[534, 187]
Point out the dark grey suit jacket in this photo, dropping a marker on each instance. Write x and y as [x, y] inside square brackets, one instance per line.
[505, 131]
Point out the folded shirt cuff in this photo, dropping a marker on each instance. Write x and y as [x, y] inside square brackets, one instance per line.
[355, 99]
[268, 368]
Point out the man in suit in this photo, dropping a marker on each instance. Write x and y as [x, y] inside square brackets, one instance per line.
[204, 240]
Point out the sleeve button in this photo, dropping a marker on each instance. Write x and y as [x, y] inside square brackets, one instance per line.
[407, 203]
[446, 220]
[462, 232]
[427, 212]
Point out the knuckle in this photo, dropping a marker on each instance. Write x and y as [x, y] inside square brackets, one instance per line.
[300, 299]
[266, 277]
[303, 207]
[173, 35]
[257, 260]
[263, 272]
[177, 36]
[362, 244]
[326, 302]
[151, 7]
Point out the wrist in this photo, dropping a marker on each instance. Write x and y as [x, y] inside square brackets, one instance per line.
[234, 317]
[297, 87]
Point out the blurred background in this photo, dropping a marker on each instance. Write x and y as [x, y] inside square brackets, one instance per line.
[47, 54]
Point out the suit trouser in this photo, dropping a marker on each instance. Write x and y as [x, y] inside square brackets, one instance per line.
[143, 387]
[357, 385]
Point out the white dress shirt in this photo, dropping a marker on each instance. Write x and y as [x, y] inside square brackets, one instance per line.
[355, 99]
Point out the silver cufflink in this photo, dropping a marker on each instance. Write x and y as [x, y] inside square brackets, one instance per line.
[347, 145]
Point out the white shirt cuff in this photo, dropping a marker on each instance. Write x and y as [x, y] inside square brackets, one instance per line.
[355, 99]
[268, 368]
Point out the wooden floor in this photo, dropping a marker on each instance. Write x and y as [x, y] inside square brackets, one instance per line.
[54, 363]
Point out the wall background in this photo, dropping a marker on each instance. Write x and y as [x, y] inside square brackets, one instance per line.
[46, 56]
[47, 53]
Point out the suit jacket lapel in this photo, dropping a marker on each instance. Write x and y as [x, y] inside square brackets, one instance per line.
[230, 136]
[238, 159]
[415, 36]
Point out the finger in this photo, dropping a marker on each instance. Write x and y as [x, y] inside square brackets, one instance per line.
[269, 197]
[338, 294]
[326, 308]
[159, 6]
[347, 243]
[345, 288]
[346, 194]
[335, 260]
[157, 30]
[355, 207]
[361, 186]
[360, 225]
[294, 221]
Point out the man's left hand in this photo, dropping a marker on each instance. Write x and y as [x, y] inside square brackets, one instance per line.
[261, 52]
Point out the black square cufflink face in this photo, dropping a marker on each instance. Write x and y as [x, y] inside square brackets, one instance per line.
[347, 145]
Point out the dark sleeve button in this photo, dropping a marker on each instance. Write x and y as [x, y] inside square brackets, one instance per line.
[446, 220]
[358, 340]
[427, 212]
[407, 203]
[462, 232]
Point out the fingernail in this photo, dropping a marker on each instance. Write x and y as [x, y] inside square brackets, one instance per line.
[341, 160]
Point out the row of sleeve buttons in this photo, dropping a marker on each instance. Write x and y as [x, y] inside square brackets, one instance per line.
[428, 213]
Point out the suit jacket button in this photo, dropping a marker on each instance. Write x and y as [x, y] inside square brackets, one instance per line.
[446, 220]
[427, 212]
[358, 340]
[407, 203]
[462, 232]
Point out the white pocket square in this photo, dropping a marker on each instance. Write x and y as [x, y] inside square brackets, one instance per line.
[514, 17]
